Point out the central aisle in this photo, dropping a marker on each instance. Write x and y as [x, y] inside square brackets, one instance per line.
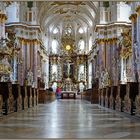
[68, 119]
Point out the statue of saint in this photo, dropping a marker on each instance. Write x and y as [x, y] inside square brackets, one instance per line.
[30, 78]
[136, 47]
[107, 78]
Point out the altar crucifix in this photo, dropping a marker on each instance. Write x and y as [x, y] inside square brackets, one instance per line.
[68, 70]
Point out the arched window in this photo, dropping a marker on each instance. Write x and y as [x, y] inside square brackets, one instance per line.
[54, 46]
[90, 43]
[81, 46]
[55, 31]
[90, 76]
[81, 72]
[81, 31]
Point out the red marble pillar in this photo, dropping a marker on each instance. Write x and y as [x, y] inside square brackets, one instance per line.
[3, 19]
[35, 68]
[21, 65]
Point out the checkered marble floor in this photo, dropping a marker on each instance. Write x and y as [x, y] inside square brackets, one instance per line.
[69, 119]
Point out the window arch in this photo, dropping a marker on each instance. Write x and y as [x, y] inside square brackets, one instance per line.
[81, 31]
[54, 46]
[90, 43]
[55, 31]
[81, 72]
[90, 75]
[81, 46]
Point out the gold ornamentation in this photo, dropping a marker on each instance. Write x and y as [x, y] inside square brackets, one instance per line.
[126, 43]
[133, 17]
[3, 17]
[138, 10]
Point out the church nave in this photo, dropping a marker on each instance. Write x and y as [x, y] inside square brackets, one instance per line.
[69, 69]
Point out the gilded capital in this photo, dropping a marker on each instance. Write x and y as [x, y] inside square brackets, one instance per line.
[138, 10]
[3, 17]
[133, 17]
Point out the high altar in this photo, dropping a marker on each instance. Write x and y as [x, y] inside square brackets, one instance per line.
[65, 65]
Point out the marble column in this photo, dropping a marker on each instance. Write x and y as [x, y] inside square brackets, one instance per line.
[24, 60]
[138, 40]
[134, 19]
[20, 63]
[35, 66]
[101, 61]
[108, 56]
[3, 19]
[28, 55]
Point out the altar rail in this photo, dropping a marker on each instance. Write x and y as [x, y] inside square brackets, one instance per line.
[68, 95]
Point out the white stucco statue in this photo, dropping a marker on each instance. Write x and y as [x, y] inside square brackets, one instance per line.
[30, 77]
[107, 78]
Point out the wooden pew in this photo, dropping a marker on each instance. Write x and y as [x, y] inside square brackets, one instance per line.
[8, 99]
[17, 97]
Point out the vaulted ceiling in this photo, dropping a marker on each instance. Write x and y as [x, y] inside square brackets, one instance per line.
[54, 14]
